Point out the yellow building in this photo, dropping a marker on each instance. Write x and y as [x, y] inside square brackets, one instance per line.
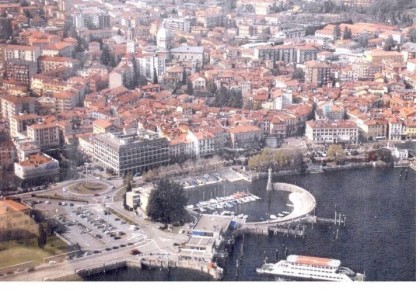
[15, 221]
[376, 56]
[410, 129]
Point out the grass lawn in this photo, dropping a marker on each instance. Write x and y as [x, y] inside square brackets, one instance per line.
[12, 253]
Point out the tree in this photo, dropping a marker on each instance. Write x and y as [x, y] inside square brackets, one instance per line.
[42, 238]
[337, 31]
[347, 33]
[167, 202]
[190, 90]
[182, 40]
[107, 57]
[389, 43]
[412, 35]
[211, 87]
[336, 152]
[298, 74]
[363, 41]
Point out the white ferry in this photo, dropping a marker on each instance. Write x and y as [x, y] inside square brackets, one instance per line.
[310, 268]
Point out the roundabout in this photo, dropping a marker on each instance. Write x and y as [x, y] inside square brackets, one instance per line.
[88, 188]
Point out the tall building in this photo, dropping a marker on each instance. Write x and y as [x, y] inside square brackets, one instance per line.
[130, 153]
[45, 135]
[21, 71]
[22, 52]
[149, 64]
[317, 73]
[92, 18]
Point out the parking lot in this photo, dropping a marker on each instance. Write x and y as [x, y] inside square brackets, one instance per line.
[90, 225]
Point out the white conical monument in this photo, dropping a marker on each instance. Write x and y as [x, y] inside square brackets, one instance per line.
[269, 181]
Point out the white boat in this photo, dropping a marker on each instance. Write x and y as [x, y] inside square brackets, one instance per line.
[245, 199]
[245, 217]
[285, 212]
[228, 205]
[310, 268]
[202, 209]
[290, 205]
[240, 215]
[213, 201]
[272, 216]
[251, 198]
[190, 206]
[219, 206]
[280, 214]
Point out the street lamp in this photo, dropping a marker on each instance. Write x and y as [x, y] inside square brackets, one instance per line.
[86, 177]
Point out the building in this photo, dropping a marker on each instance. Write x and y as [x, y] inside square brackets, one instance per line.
[317, 73]
[26, 148]
[132, 199]
[284, 53]
[178, 24]
[38, 169]
[46, 135]
[396, 129]
[365, 71]
[210, 17]
[11, 105]
[373, 129]
[16, 221]
[22, 52]
[122, 75]
[198, 82]
[245, 136]
[377, 56]
[60, 49]
[323, 131]
[164, 39]
[48, 63]
[91, 18]
[150, 64]
[189, 54]
[7, 155]
[203, 143]
[19, 123]
[130, 153]
[21, 71]
[205, 238]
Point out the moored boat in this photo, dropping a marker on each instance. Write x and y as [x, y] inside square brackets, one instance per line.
[310, 268]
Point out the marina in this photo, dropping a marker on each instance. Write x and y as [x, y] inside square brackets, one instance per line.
[224, 202]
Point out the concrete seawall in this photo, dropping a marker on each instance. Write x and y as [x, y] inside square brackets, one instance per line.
[303, 204]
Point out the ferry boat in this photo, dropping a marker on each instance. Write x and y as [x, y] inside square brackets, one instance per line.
[310, 268]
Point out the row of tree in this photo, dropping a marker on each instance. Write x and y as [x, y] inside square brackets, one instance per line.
[278, 159]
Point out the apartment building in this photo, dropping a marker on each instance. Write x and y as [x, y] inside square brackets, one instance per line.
[21, 52]
[21, 71]
[45, 135]
[317, 73]
[12, 105]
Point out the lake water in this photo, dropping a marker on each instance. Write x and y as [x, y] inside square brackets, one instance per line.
[379, 238]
